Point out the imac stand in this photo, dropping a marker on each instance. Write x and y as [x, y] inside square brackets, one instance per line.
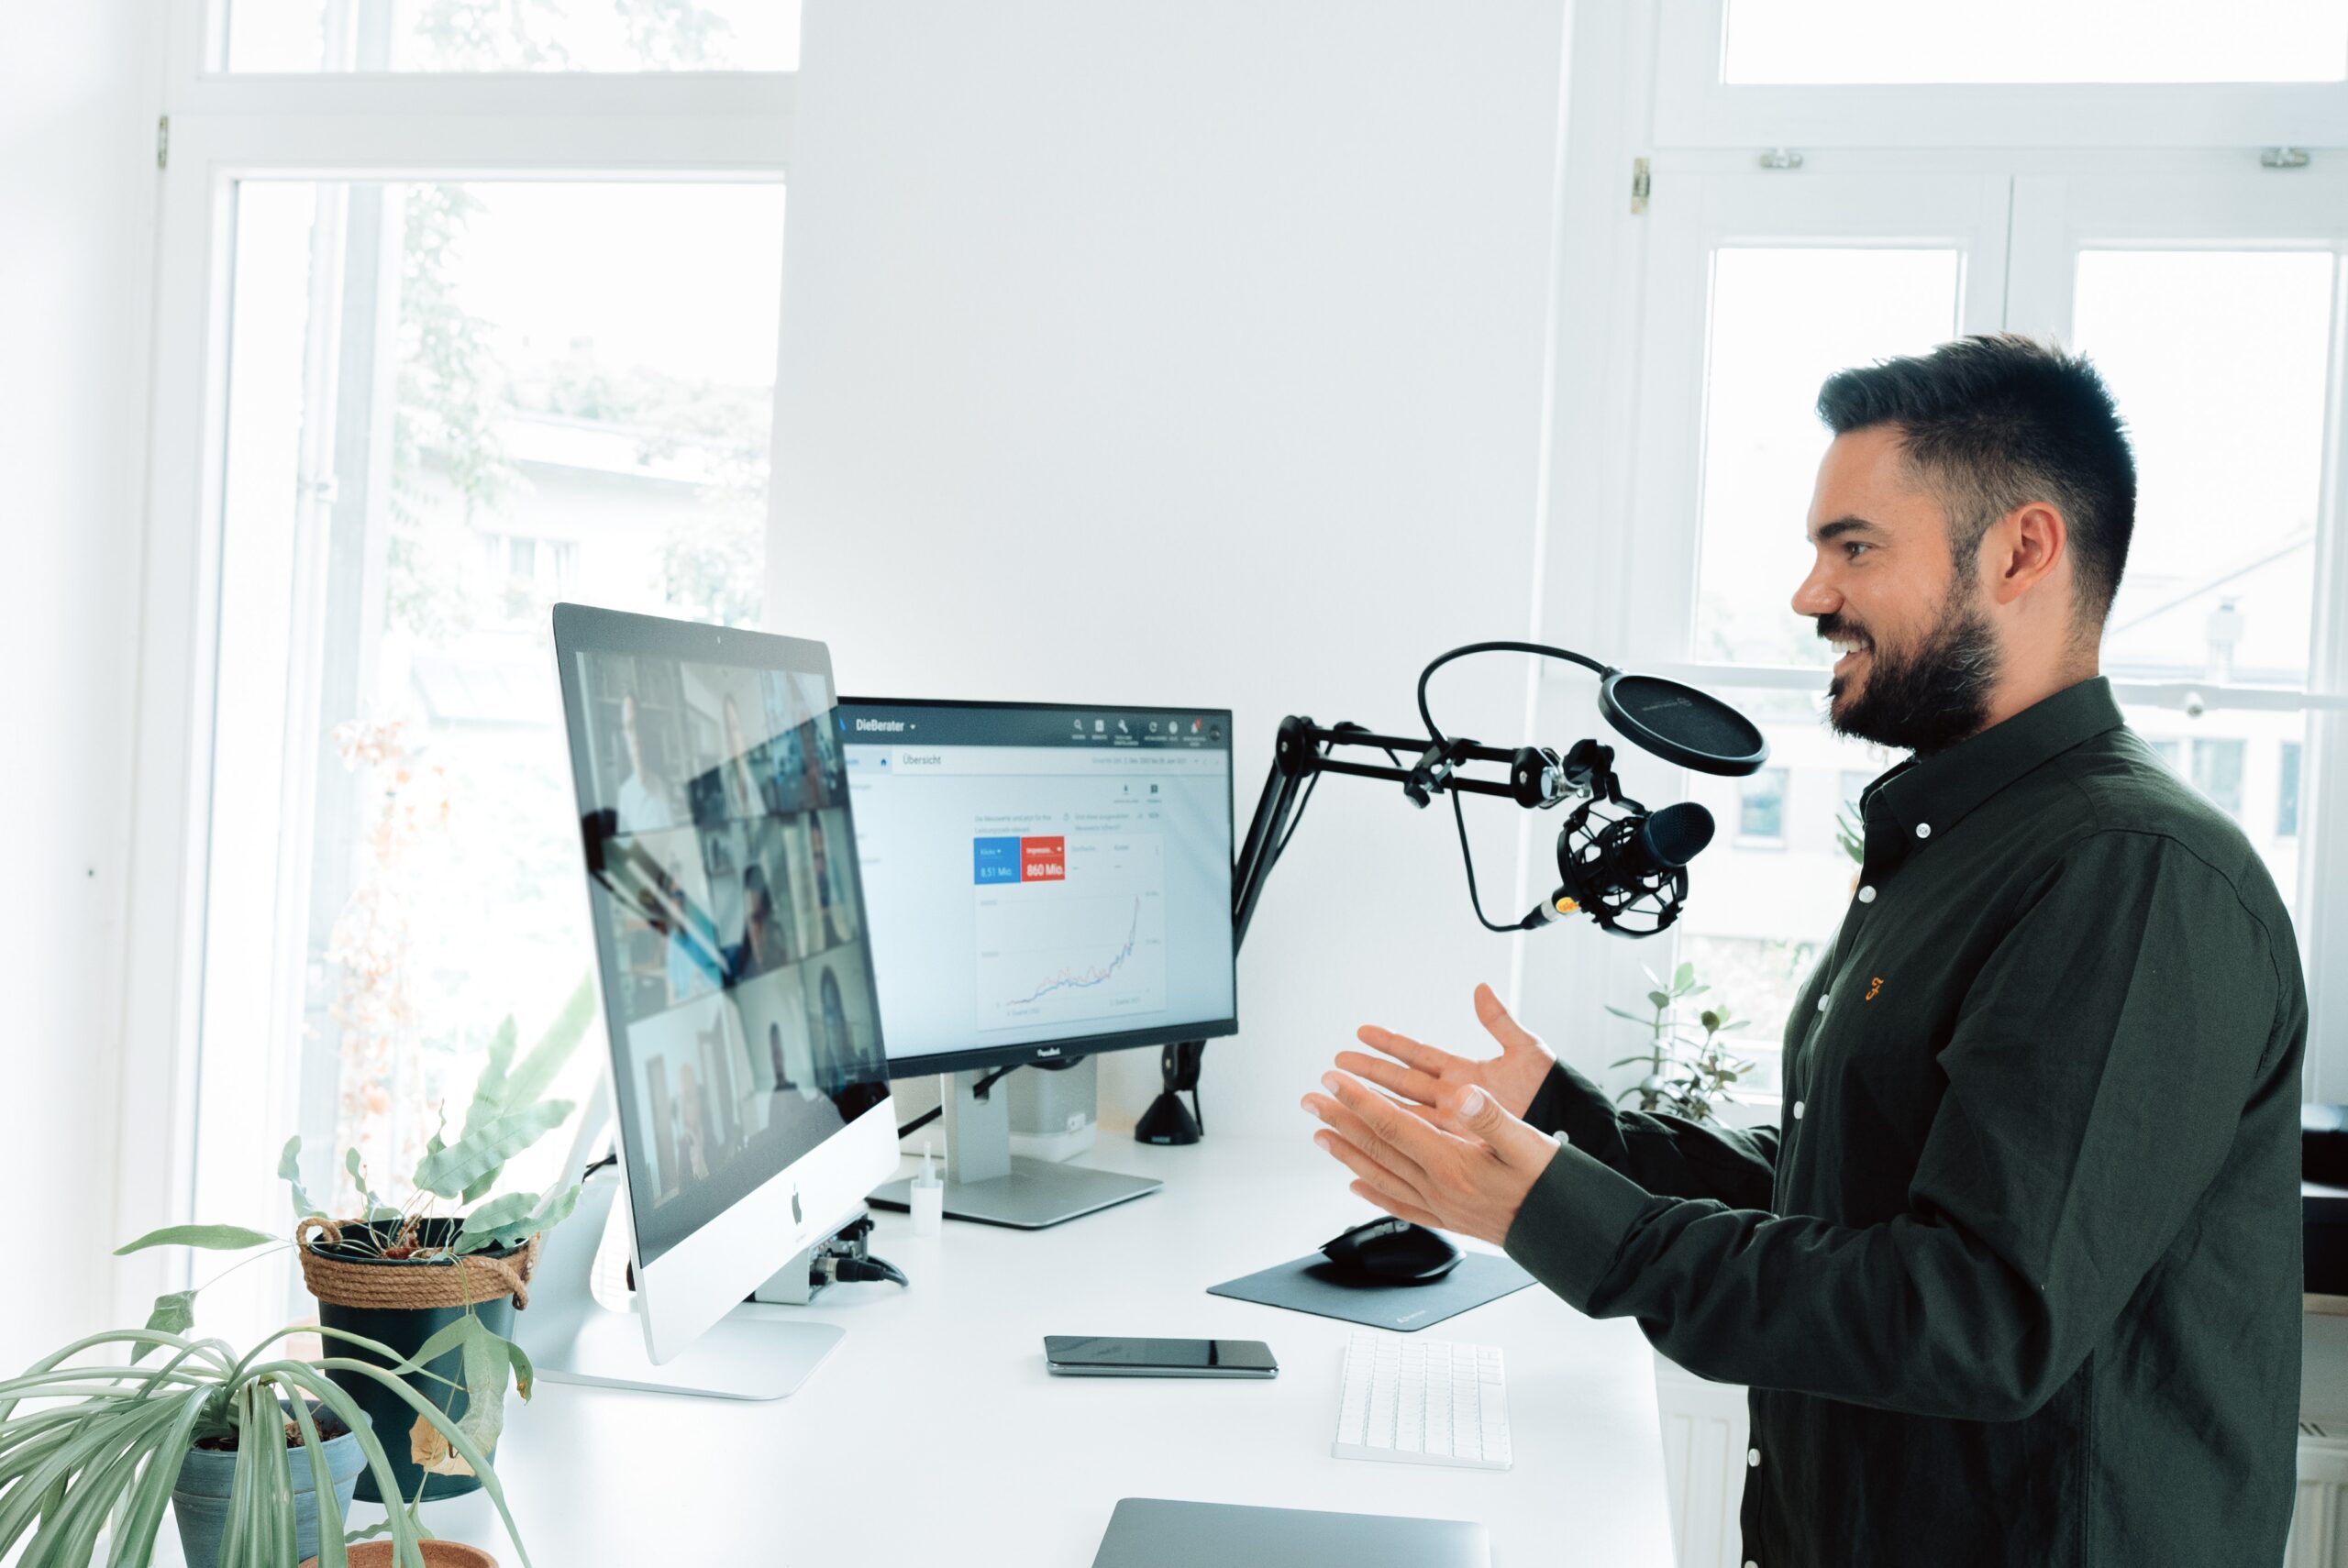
[987, 1183]
[571, 1337]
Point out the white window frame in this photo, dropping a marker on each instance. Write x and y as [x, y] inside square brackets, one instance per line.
[1695, 108]
[215, 130]
[1622, 499]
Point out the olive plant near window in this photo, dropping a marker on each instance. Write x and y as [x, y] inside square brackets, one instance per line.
[1688, 1070]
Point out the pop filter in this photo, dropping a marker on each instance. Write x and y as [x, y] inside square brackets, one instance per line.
[1681, 725]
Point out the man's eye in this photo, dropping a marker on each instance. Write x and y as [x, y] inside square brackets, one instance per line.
[1851, 549]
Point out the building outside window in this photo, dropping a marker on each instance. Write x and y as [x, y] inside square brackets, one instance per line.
[1761, 809]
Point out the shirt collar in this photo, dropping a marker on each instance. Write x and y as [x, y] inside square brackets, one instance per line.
[1924, 795]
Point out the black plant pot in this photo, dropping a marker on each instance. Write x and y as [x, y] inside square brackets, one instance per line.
[404, 1332]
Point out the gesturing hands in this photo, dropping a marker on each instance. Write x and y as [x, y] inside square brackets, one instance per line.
[1449, 1151]
[1512, 1077]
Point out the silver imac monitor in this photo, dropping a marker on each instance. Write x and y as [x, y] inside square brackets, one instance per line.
[1044, 881]
[747, 1074]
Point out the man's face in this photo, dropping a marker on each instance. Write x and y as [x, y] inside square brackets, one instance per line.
[1919, 657]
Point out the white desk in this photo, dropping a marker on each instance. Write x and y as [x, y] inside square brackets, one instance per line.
[932, 1436]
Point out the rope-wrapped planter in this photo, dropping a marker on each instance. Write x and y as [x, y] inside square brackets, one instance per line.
[357, 1279]
[400, 1302]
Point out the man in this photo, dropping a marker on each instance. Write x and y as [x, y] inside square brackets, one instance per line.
[2015, 1278]
[643, 802]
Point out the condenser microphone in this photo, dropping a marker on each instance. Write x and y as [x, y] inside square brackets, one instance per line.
[1626, 871]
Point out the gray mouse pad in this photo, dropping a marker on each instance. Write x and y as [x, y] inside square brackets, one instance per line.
[1314, 1285]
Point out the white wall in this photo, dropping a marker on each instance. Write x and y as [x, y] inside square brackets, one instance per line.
[1190, 354]
[77, 172]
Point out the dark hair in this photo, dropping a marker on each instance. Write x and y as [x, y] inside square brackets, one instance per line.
[1994, 422]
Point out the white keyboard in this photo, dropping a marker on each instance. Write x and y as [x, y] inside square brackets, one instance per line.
[1423, 1402]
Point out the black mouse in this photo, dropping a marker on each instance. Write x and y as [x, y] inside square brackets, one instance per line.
[1392, 1251]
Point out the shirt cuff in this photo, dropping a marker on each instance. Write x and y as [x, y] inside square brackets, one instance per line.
[1569, 1103]
[1573, 1223]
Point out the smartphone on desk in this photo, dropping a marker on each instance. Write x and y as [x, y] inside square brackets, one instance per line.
[1070, 1356]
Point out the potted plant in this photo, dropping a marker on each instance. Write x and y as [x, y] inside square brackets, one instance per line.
[398, 1278]
[243, 1447]
[1685, 1072]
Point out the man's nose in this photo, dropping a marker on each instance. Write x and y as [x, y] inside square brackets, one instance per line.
[1816, 596]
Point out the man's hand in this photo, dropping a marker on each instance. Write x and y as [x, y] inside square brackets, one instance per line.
[1462, 1163]
[1512, 1077]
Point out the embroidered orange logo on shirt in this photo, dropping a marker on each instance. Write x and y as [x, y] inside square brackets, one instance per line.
[1873, 986]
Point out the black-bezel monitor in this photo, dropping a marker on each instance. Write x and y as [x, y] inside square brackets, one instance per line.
[1087, 756]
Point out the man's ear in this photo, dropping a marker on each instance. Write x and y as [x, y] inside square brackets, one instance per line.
[2024, 549]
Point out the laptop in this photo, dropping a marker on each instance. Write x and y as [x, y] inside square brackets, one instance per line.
[1152, 1532]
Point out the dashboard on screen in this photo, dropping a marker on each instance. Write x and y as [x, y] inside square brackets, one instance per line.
[1039, 877]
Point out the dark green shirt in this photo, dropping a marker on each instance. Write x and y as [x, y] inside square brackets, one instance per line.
[2016, 1277]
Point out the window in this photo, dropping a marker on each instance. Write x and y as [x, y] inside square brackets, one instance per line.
[1775, 316]
[2208, 300]
[2286, 791]
[1782, 321]
[523, 388]
[397, 417]
[1761, 809]
[2217, 773]
[2218, 359]
[1853, 42]
[512, 35]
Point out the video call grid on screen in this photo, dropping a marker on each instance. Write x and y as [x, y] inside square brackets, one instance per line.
[729, 913]
[1040, 875]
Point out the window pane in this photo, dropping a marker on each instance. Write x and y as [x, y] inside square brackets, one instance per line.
[1760, 912]
[2247, 763]
[454, 403]
[2217, 360]
[2287, 793]
[2217, 773]
[2036, 41]
[1761, 806]
[512, 35]
[1782, 321]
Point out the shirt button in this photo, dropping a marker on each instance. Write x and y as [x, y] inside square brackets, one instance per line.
[1923, 829]
[1866, 895]
[1796, 1110]
[1821, 1004]
[1752, 1457]
[1750, 1563]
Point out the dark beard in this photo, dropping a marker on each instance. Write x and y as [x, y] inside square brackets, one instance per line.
[1929, 698]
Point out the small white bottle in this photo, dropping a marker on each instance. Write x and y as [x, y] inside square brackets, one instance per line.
[929, 1197]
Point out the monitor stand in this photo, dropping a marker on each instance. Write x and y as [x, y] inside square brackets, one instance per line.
[986, 1182]
[571, 1337]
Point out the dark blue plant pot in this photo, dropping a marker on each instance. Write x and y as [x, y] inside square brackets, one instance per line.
[404, 1330]
[200, 1501]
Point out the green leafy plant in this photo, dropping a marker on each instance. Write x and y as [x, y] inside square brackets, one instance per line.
[1851, 833]
[509, 1112]
[85, 1444]
[1688, 1070]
